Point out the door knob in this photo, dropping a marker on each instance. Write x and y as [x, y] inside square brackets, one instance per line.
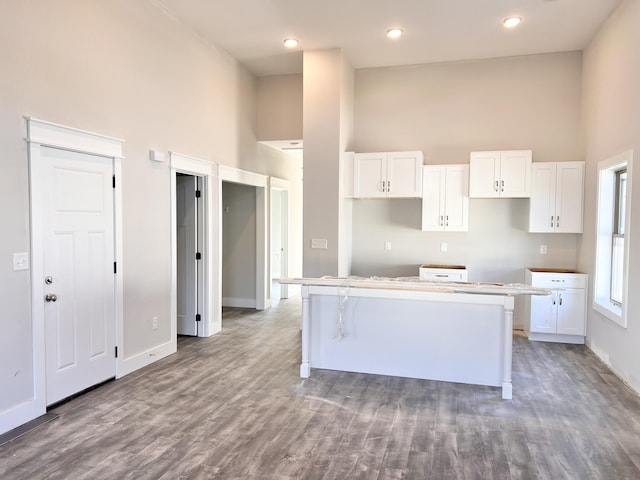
[51, 297]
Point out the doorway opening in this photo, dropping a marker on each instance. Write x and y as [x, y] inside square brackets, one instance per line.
[279, 239]
[189, 222]
[195, 309]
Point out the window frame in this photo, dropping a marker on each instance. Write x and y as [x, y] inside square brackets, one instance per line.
[607, 225]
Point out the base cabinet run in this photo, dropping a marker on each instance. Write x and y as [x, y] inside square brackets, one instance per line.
[561, 316]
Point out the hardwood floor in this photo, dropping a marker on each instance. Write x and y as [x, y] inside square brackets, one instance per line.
[233, 407]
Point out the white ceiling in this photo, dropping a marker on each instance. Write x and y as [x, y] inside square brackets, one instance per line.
[435, 30]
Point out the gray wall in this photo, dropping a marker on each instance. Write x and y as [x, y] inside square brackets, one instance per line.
[238, 245]
[611, 105]
[124, 69]
[280, 107]
[447, 111]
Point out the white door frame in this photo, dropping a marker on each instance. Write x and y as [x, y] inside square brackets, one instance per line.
[234, 175]
[282, 185]
[211, 320]
[41, 133]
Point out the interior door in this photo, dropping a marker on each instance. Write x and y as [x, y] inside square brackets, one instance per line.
[78, 266]
[187, 247]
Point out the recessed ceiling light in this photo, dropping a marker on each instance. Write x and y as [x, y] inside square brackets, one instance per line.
[511, 21]
[291, 42]
[395, 32]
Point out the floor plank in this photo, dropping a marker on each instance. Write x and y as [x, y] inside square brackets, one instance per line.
[233, 406]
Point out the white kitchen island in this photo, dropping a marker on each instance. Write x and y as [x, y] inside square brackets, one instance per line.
[455, 332]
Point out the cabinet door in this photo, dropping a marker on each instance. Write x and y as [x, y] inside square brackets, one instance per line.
[404, 174]
[433, 182]
[369, 173]
[571, 311]
[484, 174]
[456, 198]
[544, 313]
[515, 174]
[543, 197]
[569, 197]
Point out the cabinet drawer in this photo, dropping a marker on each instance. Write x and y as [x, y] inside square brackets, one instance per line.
[558, 280]
[443, 274]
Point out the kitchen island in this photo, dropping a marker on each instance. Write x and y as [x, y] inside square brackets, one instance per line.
[448, 331]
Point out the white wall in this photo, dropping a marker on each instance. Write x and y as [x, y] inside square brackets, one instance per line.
[611, 105]
[326, 132]
[128, 70]
[447, 111]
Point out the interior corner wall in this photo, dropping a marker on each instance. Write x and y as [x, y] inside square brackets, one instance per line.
[611, 120]
[280, 107]
[127, 70]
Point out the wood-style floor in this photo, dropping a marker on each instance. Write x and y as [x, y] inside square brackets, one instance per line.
[233, 407]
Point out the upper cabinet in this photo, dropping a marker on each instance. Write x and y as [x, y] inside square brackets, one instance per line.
[556, 203]
[387, 175]
[445, 198]
[505, 174]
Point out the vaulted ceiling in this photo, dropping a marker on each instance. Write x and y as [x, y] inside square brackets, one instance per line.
[252, 31]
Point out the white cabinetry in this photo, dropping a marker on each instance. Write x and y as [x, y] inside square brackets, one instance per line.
[388, 175]
[443, 273]
[556, 197]
[445, 198]
[561, 316]
[505, 174]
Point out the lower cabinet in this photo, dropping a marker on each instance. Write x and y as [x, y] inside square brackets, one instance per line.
[560, 316]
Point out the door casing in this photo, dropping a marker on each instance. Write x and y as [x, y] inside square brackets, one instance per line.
[41, 133]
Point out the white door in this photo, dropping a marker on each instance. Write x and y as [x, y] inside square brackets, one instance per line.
[369, 173]
[569, 199]
[187, 246]
[433, 198]
[78, 266]
[571, 312]
[484, 174]
[543, 197]
[456, 198]
[404, 175]
[515, 174]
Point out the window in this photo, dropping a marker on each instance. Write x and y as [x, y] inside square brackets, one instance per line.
[614, 191]
[617, 237]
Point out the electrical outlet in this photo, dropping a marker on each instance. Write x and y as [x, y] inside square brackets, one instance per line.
[543, 249]
[319, 243]
[387, 245]
[444, 247]
[154, 323]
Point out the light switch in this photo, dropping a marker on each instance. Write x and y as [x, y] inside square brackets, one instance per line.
[387, 245]
[20, 261]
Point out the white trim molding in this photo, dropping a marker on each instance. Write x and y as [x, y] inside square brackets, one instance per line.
[212, 313]
[604, 231]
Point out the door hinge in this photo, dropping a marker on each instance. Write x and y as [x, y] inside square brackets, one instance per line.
[198, 194]
[198, 317]
[114, 181]
[115, 268]
[198, 256]
[116, 352]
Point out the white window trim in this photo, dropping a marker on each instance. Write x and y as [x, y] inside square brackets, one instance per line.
[604, 230]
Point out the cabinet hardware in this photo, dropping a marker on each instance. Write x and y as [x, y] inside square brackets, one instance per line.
[388, 186]
[497, 185]
[502, 190]
[552, 221]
